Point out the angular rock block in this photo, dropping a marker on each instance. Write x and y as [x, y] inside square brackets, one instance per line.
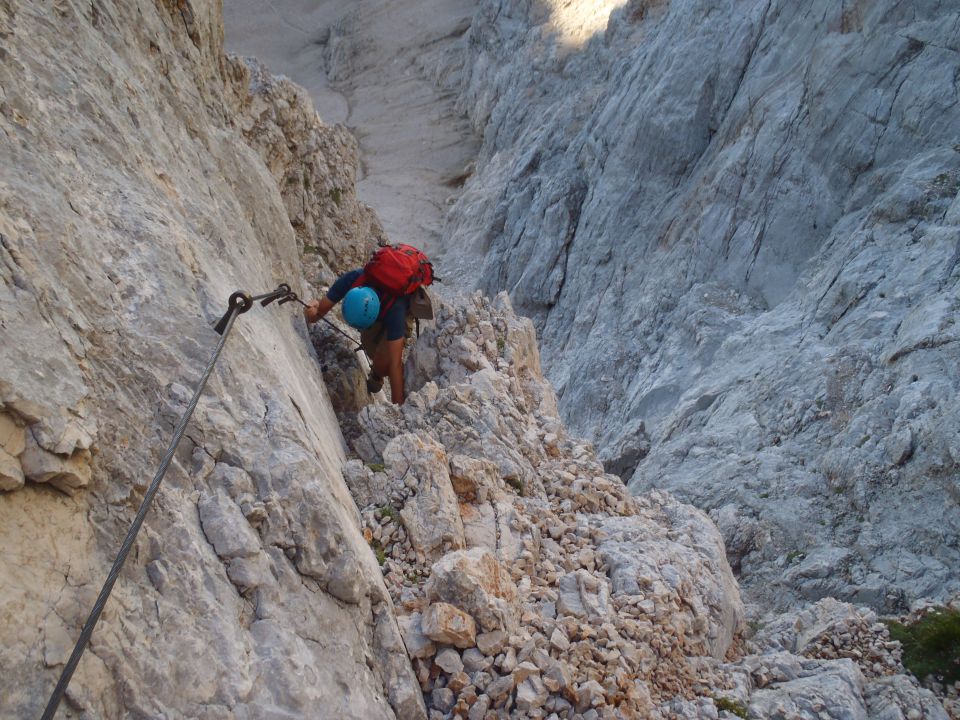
[11, 474]
[13, 438]
[418, 645]
[432, 516]
[448, 624]
[473, 478]
[64, 473]
[226, 528]
[583, 595]
[476, 582]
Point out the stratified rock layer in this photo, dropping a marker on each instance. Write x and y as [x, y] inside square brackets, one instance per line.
[144, 176]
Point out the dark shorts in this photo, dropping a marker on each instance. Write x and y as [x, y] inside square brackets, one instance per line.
[374, 336]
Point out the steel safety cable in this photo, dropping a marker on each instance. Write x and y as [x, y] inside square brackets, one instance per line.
[239, 303]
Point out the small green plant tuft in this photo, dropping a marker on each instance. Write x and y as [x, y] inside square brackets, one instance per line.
[390, 512]
[931, 645]
[379, 551]
[311, 249]
[731, 705]
[377, 467]
[336, 194]
[501, 344]
[516, 483]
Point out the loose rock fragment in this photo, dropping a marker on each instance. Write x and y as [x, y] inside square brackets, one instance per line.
[417, 643]
[447, 624]
[475, 581]
[449, 661]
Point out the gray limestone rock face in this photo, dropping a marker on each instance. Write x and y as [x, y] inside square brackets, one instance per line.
[792, 687]
[375, 66]
[837, 691]
[144, 177]
[226, 528]
[184, 174]
[737, 231]
[690, 556]
[891, 698]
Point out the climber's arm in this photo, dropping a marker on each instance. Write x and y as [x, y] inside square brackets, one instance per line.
[317, 309]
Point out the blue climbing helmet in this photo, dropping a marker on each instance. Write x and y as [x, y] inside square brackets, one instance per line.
[361, 306]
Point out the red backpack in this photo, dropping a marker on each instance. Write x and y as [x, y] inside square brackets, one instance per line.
[396, 270]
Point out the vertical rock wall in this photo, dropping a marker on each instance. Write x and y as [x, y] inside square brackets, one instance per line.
[736, 226]
[144, 176]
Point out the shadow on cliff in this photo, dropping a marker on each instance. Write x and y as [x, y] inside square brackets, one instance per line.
[344, 371]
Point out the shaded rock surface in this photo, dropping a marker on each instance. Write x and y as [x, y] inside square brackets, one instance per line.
[145, 176]
[736, 228]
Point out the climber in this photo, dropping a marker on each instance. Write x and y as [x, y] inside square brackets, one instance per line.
[382, 300]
